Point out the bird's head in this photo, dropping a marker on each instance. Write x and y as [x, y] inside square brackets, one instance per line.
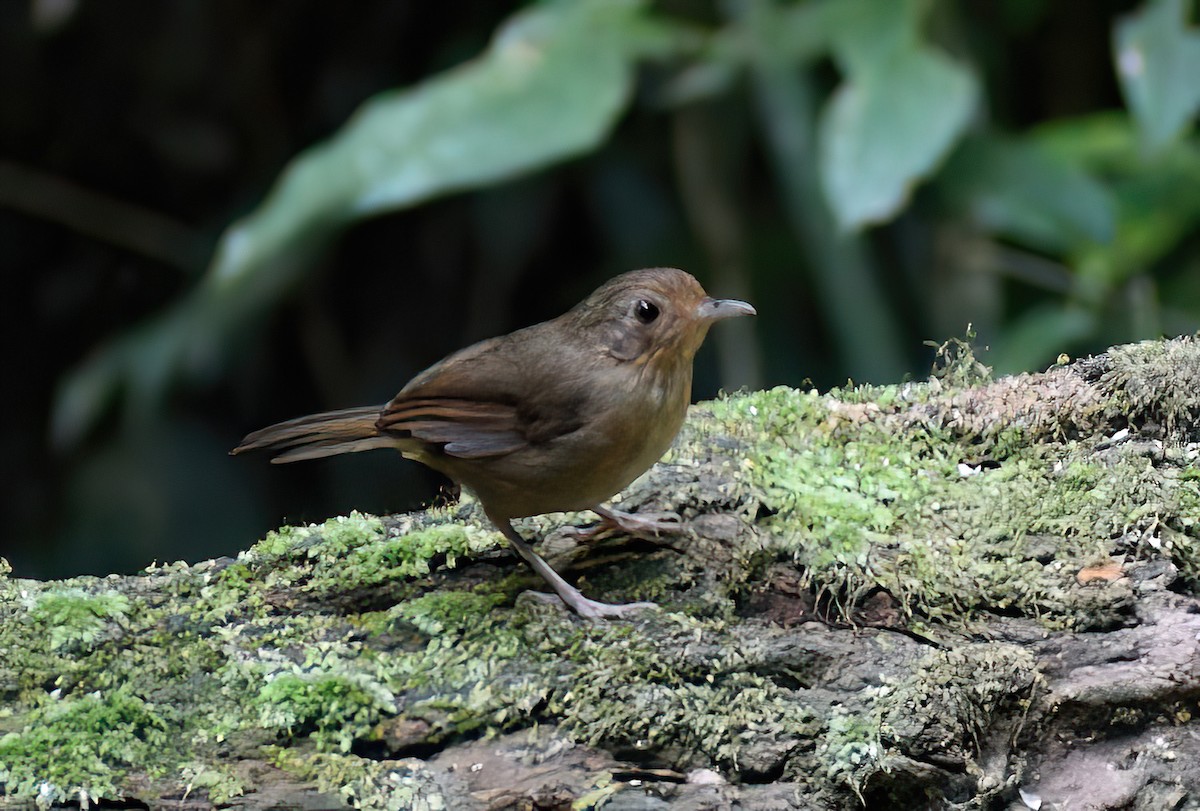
[657, 316]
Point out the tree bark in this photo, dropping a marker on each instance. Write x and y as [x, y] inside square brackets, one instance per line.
[963, 593]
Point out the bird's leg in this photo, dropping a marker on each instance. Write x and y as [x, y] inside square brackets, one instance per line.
[567, 593]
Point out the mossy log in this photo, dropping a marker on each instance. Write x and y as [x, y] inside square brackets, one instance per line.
[962, 593]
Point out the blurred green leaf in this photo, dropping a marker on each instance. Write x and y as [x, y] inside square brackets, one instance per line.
[867, 33]
[1158, 62]
[1037, 198]
[1091, 140]
[867, 334]
[1036, 338]
[1158, 209]
[550, 86]
[798, 33]
[887, 127]
[1156, 203]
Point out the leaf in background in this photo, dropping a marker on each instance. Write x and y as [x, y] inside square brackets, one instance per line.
[550, 86]
[1036, 198]
[1156, 204]
[1037, 337]
[887, 127]
[1158, 62]
[868, 338]
[865, 33]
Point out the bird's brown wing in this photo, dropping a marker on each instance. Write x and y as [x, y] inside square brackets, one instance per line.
[469, 429]
[482, 401]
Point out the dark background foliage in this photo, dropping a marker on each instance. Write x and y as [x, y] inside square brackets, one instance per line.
[1020, 187]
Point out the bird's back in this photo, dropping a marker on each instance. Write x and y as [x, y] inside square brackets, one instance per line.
[541, 420]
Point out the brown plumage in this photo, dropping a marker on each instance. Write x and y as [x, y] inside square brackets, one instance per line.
[554, 417]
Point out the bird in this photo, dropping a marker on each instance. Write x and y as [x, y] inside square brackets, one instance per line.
[555, 417]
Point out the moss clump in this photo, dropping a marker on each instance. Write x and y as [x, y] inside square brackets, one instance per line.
[1179, 537]
[832, 477]
[862, 497]
[947, 703]
[955, 364]
[1013, 539]
[475, 675]
[625, 687]
[1155, 383]
[332, 709]
[334, 538]
[409, 555]
[448, 612]
[75, 748]
[836, 481]
[357, 552]
[738, 721]
[76, 617]
[945, 706]
[850, 749]
[375, 785]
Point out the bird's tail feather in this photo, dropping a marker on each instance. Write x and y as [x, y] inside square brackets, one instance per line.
[328, 434]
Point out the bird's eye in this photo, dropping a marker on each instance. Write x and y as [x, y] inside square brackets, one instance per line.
[645, 311]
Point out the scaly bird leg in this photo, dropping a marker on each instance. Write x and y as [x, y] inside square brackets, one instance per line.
[567, 593]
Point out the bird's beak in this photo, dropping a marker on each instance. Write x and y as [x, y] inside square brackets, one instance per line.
[716, 309]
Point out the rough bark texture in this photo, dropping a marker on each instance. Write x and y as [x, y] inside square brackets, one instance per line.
[954, 594]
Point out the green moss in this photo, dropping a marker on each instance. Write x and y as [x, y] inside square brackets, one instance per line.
[831, 484]
[80, 747]
[730, 720]
[955, 364]
[409, 555]
[74, 616]
[332, 634]
[1013, 539]
[357, 552]
[1007, 441]
[862, 498]
[220, 782]
[368, 784]
[1180, 536]
[335, 537]
[837, 482]
[333, 709]
[944, 706]
[284, 542]
[949, 700]
[850, 749]
[622, 689]
[476, 674]
[1156, 382]
[448, 612]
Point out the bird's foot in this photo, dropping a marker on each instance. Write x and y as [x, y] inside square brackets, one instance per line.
[570, 595]
[647, 526]
[592, 609]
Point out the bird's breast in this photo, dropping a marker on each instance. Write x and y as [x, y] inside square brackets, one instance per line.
[626, 424]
